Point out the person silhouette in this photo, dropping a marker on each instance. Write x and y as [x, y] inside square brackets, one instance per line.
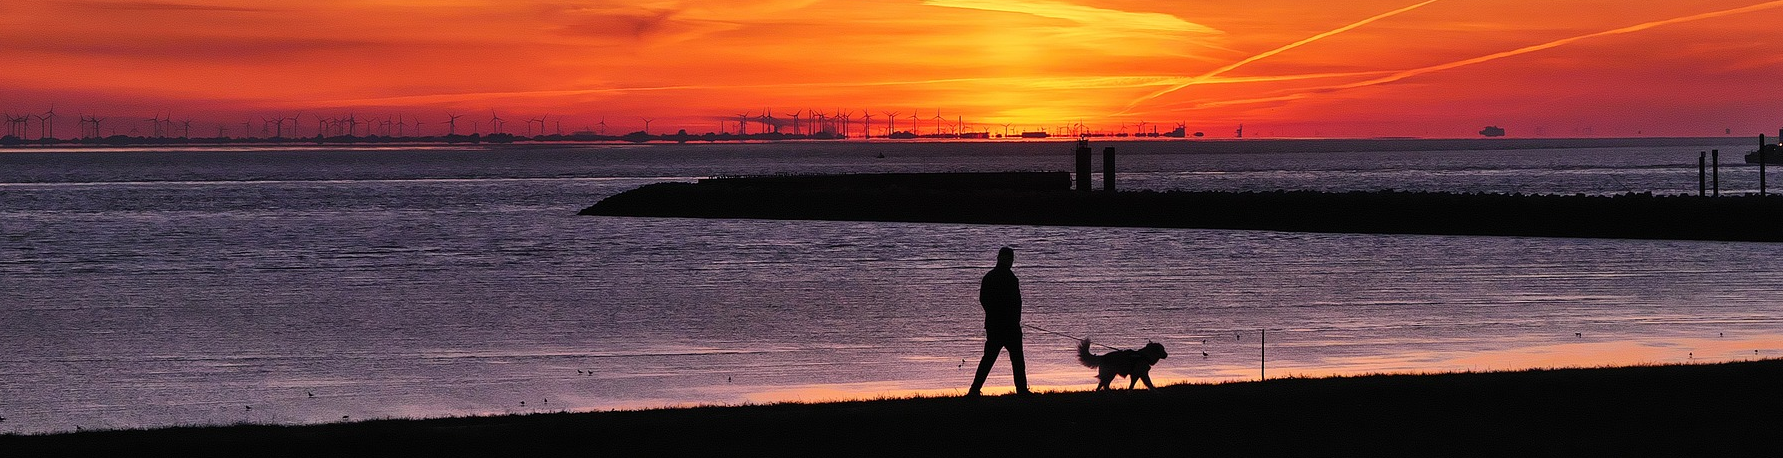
[1001, 296]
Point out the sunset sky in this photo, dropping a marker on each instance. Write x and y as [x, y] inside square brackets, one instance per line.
[1437, 68]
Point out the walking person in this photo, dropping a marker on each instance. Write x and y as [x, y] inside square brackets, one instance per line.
[1001, 296]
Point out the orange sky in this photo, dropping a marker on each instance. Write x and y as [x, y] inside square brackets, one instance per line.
[1441, 68]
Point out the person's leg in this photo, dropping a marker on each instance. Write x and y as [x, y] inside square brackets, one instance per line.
[991, 347]
[1015, 362]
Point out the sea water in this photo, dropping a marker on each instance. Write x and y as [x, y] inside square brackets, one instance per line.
[155, 287]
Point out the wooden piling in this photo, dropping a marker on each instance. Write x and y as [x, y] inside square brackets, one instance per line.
[1108, 169]
[1083, 165]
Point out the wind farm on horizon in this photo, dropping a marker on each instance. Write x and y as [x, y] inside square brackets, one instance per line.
[766, 124]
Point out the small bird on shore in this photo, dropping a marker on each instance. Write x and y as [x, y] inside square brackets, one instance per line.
[312, 394]
[1579, 334]
[1204, 354]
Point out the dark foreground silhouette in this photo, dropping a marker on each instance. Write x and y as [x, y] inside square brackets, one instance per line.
[1044, 199]
[1001, 296]
[1693, 410]
[1135, 365]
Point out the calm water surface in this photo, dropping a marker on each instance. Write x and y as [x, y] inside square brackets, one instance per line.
[161, 287]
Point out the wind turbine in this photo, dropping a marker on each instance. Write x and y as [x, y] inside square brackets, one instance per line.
[866, 124]
[891, 122]
[494, 123]
[279, 130]
[155, 124]
[743, 123]
[603, 125]
[452, 123]
[49, 122]
[938, 120]
[1006, 131]
[795, 122]
[647, 125]
[188, 131]
[12, 126]
[294, 125]
[846, 117]
[915, 123]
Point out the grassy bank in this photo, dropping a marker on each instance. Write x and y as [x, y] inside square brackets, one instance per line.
[1683, 410]
[1638, 216]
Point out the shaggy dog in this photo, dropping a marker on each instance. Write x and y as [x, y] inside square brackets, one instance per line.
[1136, 365]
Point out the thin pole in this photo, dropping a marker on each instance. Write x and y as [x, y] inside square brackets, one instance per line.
[1761, 161]
[1263, 356]
[1715, 160]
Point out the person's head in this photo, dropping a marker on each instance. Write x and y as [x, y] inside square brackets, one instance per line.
[1006, 257]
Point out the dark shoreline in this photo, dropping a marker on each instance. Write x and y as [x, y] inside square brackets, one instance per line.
[1044, 198]
[1674, 410]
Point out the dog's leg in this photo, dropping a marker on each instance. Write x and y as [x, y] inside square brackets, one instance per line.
[1147, 377]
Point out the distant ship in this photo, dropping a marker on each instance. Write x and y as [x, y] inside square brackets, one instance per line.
[1492, 131]
[1035, 134]
[902, 135]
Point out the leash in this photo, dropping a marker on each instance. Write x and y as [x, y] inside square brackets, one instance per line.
[1068, 336]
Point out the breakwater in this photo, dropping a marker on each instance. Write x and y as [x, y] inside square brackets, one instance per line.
[1044, 198]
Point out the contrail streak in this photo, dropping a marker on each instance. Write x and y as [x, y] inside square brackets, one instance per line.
[1266, 54]
[1396, 76]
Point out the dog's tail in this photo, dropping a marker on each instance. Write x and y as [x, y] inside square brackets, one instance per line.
[1084, 356]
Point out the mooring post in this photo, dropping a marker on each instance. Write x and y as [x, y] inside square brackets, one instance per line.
[1108, 169]
[1702, 174]
[1083, 165]
[1761, 161]
[1715, 172]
